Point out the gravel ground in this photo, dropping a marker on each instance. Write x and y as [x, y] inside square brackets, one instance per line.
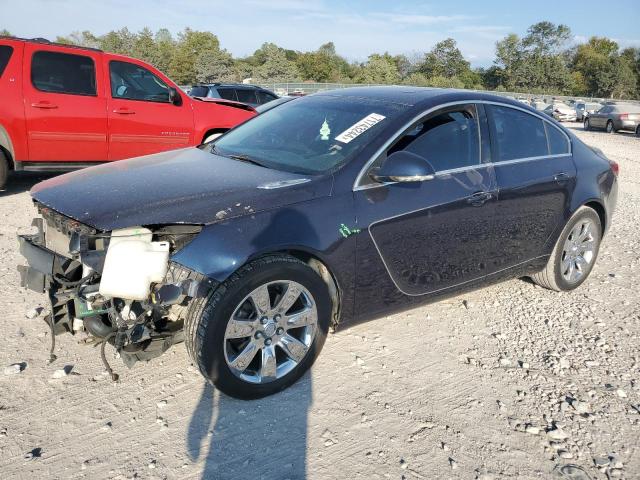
[508, 381]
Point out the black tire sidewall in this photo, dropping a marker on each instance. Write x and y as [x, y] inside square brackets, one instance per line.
[559, 279]
[587, 124]
[4, 170]
[212, 354]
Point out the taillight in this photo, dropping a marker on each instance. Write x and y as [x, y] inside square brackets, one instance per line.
[624, 116]
[615, 168]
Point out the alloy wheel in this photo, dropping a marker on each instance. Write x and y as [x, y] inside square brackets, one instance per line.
[270, 332]
[579, 251]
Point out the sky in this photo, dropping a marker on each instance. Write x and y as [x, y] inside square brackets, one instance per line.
[357, 28]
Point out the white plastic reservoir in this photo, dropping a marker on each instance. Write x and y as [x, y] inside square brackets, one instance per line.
[132, 263]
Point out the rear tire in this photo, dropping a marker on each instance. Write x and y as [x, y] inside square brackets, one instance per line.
[572, 259]
[638, 131]
[251, 348]
[4, 169]
[587, 124]
[610, 128]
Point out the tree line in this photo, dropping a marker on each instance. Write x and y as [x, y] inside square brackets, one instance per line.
[542, 61]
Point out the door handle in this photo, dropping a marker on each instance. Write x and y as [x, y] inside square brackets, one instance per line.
[479, 198]
[123, 111]
[561, 177]
[44, 105]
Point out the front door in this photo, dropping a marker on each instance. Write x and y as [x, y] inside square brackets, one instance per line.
[428, 236]
[142, 119]
[65, 107]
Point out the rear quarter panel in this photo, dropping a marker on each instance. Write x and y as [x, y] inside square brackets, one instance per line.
[211, 116]
[596, 181]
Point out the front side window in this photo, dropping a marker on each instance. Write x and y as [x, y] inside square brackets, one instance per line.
[133, 82]
[227, 94]
[447, 140]
[517, 134]
[199, 91]
[5, 55]
[310, 135]
[57, 72]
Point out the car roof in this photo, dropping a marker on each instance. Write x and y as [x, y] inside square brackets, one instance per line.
[414, 96]
[44, 41]
[234, 85]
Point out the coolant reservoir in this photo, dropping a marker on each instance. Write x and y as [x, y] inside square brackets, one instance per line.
[132, 263]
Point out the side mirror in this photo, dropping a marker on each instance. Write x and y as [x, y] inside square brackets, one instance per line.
[404, 166]
[175, 97]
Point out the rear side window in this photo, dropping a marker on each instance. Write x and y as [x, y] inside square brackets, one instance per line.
[558, 144]
[246, 95]
[227, 94]
[517, 134]
[5, 55]
[446, 140]
[57, 72]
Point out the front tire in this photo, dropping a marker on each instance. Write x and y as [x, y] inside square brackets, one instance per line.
[261, 329]
[4, 169]
[574, 254]
[638, 131]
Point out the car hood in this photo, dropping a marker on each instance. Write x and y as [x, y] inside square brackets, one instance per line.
[182, 186]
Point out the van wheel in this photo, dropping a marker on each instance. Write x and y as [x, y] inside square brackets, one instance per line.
[261, 329]
[575, 252]
[4, 169]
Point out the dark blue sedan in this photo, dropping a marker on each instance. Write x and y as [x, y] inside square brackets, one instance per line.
[341, 206]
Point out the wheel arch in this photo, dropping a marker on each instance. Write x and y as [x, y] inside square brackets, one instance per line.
[600, 210]
[211, 132]
[6, 147]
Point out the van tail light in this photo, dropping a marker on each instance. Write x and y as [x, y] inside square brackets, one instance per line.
[615, 168]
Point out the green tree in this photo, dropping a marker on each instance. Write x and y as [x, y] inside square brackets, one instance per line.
[322, 65]
[444, 60]
[215, 66]
[191, 44]
[276, 66]
[379, 69]
[4, 32]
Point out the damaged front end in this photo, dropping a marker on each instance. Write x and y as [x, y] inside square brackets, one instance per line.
[119, 287]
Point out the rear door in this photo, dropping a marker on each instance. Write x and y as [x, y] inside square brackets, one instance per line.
[536, 177]
[65, 106]
[142, 119]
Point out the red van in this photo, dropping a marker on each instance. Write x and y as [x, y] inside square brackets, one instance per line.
[64, 107]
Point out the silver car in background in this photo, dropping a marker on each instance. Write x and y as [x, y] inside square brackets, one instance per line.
[561, 112]
[614, 117]
[583, 109]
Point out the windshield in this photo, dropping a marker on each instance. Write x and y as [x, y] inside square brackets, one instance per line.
[310, 135]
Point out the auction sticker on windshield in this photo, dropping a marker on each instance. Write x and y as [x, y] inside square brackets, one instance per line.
[360, 127]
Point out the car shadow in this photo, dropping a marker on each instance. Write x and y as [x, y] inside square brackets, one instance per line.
[19, 182]
[260, 439]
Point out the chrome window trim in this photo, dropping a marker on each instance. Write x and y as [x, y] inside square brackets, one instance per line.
[365, 168]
